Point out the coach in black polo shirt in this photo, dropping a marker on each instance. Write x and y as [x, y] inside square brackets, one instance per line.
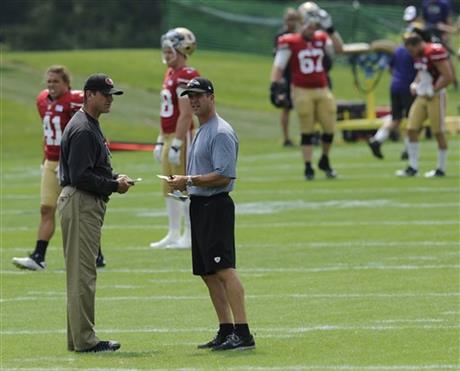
[211, 173]
[88, 180]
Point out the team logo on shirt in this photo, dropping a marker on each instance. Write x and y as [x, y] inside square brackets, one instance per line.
[59, 108]
[217, 259]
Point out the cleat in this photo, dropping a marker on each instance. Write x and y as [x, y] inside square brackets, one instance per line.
[408, 172]
[182, 243]
[32, 262]
[324, 165]
[404, 155]
[167, 241]
[100, 261]
[309, 173]
[235, 342]
[288, 143]
[374, 145]
[438, 173]
[217, 341]
[103, 346]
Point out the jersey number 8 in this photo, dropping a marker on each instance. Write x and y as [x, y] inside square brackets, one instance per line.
[167, 108]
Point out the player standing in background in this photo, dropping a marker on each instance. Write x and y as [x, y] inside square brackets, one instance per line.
[403, 73]
[434, 75]
[291, 21]
[313, 100]
[56, 105]
[176, 129]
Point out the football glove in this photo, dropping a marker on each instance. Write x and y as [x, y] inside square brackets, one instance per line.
[278, 94]
[174, 152]
[158, 149]
[325, 21]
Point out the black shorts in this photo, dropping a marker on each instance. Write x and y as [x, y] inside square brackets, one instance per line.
[400, 105]
[212, 221]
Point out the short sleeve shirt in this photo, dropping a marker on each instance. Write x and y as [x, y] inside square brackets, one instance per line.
[214, 149]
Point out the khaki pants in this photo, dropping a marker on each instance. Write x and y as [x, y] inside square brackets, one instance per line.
[315, 105]
[433, 109]
[49, 187]
[82, 216]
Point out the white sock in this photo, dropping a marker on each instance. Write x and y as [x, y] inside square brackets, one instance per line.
[382, 135]
[187, 231]
[174, 209]
[442, 159]
[406, 143]
[412, 150]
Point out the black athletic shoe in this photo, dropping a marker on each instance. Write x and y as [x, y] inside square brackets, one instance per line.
[288, 143]
[407, 172]
[309, 173]
[235, 342]
[404, 155]
[324, 165]
[374, 145]
[218, 340]
[103, 346]
[100, 261]
[438, 173]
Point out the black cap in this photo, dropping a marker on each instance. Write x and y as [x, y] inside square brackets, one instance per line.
[198, 85]
[102, 83]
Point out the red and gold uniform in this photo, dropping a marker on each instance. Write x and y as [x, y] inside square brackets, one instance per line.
[173, 84]
[430, 106]
[312, 98]
[55, 116]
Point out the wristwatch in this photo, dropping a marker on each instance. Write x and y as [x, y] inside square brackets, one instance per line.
[189, 182]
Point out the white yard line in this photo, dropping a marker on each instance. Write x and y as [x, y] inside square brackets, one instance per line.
[262, 332]
[60, 295]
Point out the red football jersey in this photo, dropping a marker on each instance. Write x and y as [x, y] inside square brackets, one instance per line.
[55, 115]
[431, 53]
[306, 62]
[169, 111]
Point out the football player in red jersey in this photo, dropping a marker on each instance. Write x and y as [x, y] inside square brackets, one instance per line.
[303, 53]
[176, 128]
[56, 105]
[434, 74]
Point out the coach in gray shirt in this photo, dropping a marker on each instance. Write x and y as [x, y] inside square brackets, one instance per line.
[211, 174]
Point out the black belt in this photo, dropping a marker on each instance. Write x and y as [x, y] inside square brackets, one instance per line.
[218, 195]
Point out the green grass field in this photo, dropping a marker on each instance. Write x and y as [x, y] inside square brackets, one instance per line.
[359, 273]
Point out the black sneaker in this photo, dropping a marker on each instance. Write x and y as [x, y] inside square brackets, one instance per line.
[288, 143]
[100, 261]
[309, 173]
[407, 172]
[438, 173]
[374, 145]
[324, 165]
[218, 340]
[103, 346]
[235, 342]
[404, 155]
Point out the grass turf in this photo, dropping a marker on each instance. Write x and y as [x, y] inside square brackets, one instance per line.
[356, 273]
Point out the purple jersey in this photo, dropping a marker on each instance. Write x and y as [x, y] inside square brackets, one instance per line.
[435, 11]
[403, 71]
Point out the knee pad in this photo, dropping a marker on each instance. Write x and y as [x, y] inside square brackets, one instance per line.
[327, 138]
[306, 139]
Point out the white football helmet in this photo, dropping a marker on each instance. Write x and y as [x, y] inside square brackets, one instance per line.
[309, 12]
[179, 39]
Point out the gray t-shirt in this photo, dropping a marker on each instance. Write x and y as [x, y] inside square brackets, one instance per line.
[214, 149]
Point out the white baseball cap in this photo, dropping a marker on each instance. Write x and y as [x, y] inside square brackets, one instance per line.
[410, 13]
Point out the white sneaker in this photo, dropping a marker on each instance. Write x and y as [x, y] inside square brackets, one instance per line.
[168, 240]
[29, 263]
[408, 172]
[182, 243]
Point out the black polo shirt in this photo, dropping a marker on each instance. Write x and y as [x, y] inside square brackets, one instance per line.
[85, 158]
